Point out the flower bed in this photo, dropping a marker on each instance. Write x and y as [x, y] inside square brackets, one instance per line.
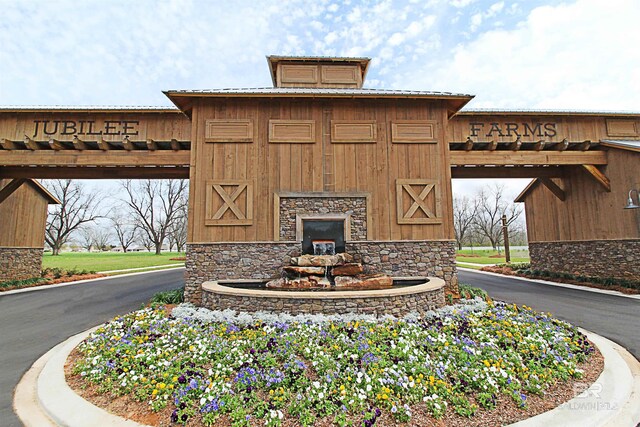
[221, 368]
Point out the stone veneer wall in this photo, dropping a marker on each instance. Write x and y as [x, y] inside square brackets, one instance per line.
[398, 305]
[290, 206]
[436, 258]
[234, 260]
[596, 258]
[20, 263]
[262, 260]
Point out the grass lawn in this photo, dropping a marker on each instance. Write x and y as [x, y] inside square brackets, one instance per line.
[107, 261]
[484, 256]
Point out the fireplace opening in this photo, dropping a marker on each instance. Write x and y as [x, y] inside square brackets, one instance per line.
[326, 236]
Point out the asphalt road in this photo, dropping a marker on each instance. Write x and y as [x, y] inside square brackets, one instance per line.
[34, 322]
[614, 317]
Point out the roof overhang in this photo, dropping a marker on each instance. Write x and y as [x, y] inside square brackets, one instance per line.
[184, 100]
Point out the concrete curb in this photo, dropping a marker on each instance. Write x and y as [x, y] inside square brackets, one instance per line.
[43, 398]
[78, 282]
[557, 284]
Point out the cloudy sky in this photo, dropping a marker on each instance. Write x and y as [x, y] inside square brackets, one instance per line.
[540, 54]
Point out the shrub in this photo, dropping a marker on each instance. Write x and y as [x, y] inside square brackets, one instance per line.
[174, 296]
[470, 292]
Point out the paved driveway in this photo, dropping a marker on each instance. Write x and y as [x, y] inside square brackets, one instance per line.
[34, 322]
[614, 317]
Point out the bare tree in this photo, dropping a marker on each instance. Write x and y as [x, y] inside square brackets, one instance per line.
[101, 238]
[464, 212]
[76, 208]
[85, 237]
[154, 205]
[177, 233]
[124, 229]
[492, 204]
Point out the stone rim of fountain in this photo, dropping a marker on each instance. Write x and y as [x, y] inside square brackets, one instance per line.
[431, 284]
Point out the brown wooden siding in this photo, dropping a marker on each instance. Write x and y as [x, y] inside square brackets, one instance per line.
[323, 165]
[589, 212]
[23, 217]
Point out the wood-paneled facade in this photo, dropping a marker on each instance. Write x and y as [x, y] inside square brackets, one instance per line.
[332, 145]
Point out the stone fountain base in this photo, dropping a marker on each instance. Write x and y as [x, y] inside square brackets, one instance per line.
[396, 301]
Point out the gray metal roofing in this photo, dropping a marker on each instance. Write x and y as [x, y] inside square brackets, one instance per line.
[88, 107]
[544, 111]
[624, 143]
[315, 91]
[320, 57]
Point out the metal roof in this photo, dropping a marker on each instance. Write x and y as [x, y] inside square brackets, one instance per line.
[89, 108]
[625, 144]
[524, 111]
[346, 92]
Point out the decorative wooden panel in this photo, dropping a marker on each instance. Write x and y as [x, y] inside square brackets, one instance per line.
[230, 130]
[350, 131]
[622, 128]
[229, 202]
[343, 74]
[413, 131]
[424, 201]
[292, 131]
[298, 73]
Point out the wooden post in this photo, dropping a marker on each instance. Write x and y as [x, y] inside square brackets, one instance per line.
[505, 233]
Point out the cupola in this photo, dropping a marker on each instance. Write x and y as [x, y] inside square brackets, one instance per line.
[318, 71]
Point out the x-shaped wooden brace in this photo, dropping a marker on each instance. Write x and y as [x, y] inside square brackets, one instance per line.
[229, 201]
[419, 201]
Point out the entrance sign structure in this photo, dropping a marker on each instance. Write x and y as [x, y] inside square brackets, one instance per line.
[316, 145]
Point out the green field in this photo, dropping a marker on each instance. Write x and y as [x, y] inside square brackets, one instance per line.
[107, 261]
[485, 256]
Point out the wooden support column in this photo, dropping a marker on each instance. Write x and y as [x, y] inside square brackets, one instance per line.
[12, 186]
[600, 178]
[554, 188]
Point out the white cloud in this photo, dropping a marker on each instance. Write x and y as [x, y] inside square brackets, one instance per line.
[570, 56]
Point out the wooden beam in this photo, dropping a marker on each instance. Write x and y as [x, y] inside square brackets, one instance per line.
[600, 178]
[563, 145]
[540, 145]
[12, 186]
[468, 145]
[585, 145]
[127, 144]
[30, 143]
[555, 189]
[175, 145]
[151, 145]
[507, 172]
[534, 158]
[55, 144]
[102, 144]
[7, 144]
[135, 158]
[71, 172]
[78, 144]
[515, 145]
